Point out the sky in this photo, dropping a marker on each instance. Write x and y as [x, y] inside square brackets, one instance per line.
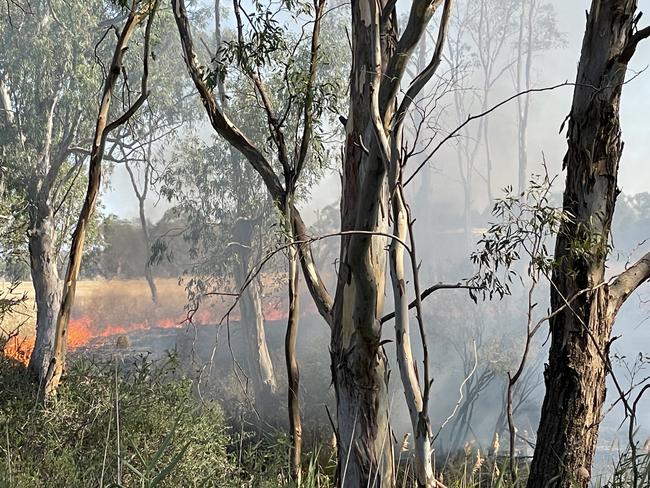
[548, 110]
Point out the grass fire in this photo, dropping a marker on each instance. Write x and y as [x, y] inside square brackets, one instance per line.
[324, 244]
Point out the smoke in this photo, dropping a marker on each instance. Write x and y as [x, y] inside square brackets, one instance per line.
[457, 327]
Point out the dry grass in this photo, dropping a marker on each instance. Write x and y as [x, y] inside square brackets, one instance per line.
[107, 303]
[124, 304]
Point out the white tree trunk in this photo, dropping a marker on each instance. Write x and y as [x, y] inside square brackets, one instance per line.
[47, 288]
[407, 367]
[258, 359]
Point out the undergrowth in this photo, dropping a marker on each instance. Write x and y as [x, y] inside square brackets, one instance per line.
[113, 425]
[163, 436]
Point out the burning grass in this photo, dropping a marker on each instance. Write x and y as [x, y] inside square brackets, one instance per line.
[111, 308]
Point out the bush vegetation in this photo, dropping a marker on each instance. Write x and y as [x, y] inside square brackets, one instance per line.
[169, 438]
[165, 437]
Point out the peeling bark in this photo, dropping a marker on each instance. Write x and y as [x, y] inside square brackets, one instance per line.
[581, 333]
[359, 364]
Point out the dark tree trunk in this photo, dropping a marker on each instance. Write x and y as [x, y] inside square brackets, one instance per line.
[293, 370]
[581, 333]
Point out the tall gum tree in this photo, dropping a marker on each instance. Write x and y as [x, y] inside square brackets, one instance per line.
[47, 84]
[137, 13]
[372, 145]
[581, 332]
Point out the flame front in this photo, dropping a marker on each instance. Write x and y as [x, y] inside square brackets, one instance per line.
[85, 330]
[81, 332]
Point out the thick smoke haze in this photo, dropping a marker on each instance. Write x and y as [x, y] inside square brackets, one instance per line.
[548, 110]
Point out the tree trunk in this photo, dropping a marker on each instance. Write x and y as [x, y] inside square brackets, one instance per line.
[420, 423]
[359, 363]
[258, 359]
[45, 277]
[147, 244]
[293, 371]
[575, 393]
[523, 102]
[56, 364]
[581, 333]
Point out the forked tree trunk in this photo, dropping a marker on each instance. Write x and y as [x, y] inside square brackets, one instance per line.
[359, 364]
[47, 288]
[581, 332]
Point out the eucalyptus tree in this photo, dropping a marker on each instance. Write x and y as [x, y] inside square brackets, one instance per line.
[137, 12]
[538, 32]
[49, 112]
[296, 101]
[489, 40]
[229, 221]
[584, 302]
[48, 81]
[372, 161]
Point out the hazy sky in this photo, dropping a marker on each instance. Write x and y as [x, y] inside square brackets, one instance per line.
[548, 110]
[635, 167]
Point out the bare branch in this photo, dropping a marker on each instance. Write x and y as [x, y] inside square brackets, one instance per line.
[429, 291]
[628, 281]
[470, 118]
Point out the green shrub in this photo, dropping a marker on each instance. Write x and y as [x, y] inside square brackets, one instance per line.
[72, 441]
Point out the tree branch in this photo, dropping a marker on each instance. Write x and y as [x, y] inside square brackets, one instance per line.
[226, 129]
[429, 291]
[632, 43]
[221, 123]
[308, 122]
[419, 17]
[425, 76]
[628, 281]
[470, 118]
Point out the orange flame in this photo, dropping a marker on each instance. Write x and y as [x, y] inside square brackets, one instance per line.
[82, 331]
